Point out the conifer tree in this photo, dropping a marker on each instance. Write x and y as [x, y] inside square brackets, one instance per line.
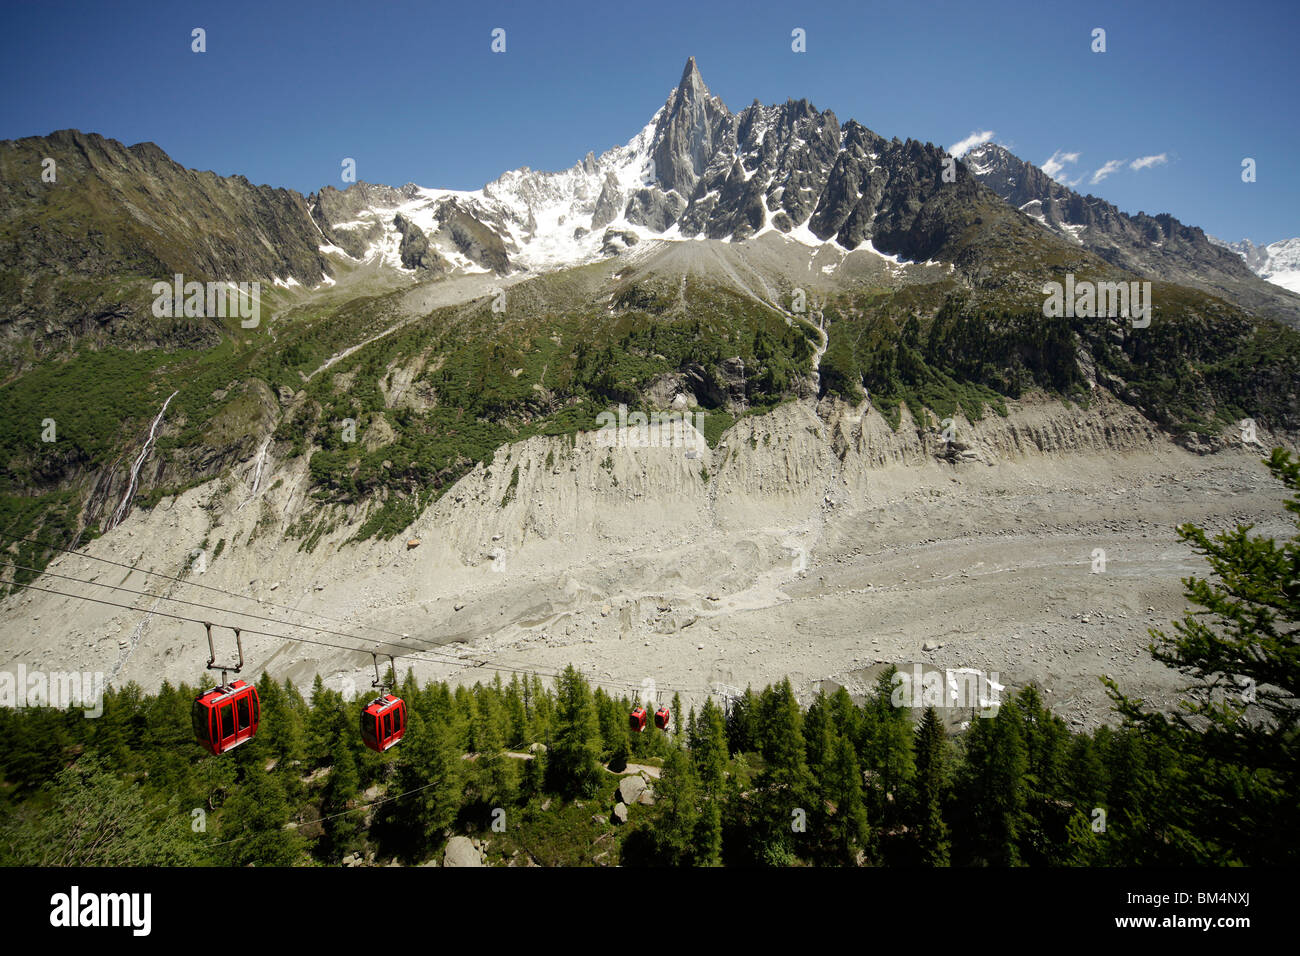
[678, 814]
[292, 738]
[1085, 774]
[741, 736]
[886, 748]
[819, 737]
[1238, 729]
[847, 832]
[708, 834]
[1044, 839]
[994, 787]
[324, 720]
[930, 787]
[429, 772]
[533, 781]
[254, 822]
[342, 829]
[119, 727]
[710, 750]
[573, 762]
[785, 786]
[168, 741]
[516, 716]
[494, 771]
[845, 717]
[543, 712]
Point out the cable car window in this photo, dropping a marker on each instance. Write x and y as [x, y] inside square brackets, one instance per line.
[199, 714]
[241, 706]
[257, 707]
[388, 724]
[227, 722]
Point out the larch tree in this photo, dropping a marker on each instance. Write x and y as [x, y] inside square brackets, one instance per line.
[1238, 724]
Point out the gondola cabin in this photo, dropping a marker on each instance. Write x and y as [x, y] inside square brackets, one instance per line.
[226, 716]
[383, 722]
[637, 720]
[661, 718]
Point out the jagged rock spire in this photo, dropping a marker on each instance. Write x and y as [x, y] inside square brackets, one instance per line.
[688, 132]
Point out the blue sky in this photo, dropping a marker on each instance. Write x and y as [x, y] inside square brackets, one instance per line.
[413, 92]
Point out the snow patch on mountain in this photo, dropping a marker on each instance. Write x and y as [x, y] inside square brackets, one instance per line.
[1278, 262]
[543, 218]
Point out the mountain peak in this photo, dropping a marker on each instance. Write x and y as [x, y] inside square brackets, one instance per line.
[687, 132]
[691, 88]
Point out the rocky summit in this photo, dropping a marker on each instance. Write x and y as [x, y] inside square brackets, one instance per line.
[1159, 246]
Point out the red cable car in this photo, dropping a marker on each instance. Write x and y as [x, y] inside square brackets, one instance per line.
[637, 720]
[661, 718]
[383, 722]
[227, 715]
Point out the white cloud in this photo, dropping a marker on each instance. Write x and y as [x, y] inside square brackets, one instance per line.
[1111, 166]
[1148, 161]
[1058, 161]
[960, 149]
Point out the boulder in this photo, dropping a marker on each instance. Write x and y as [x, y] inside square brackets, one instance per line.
[461, 852]
[630, 789]
[617, 241]
[620, 813]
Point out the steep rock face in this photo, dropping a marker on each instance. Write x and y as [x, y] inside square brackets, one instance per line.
[344, 208]
[475, 240]
[1157, 246]
[414, 250]
[772, 160]
[654, 209]
[689, 132]
[78, 255]
[791, 167]
[116, 209]
[607, 203]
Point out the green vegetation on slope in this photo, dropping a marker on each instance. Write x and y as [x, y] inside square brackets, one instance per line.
[1199, 366]
[767, 783]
